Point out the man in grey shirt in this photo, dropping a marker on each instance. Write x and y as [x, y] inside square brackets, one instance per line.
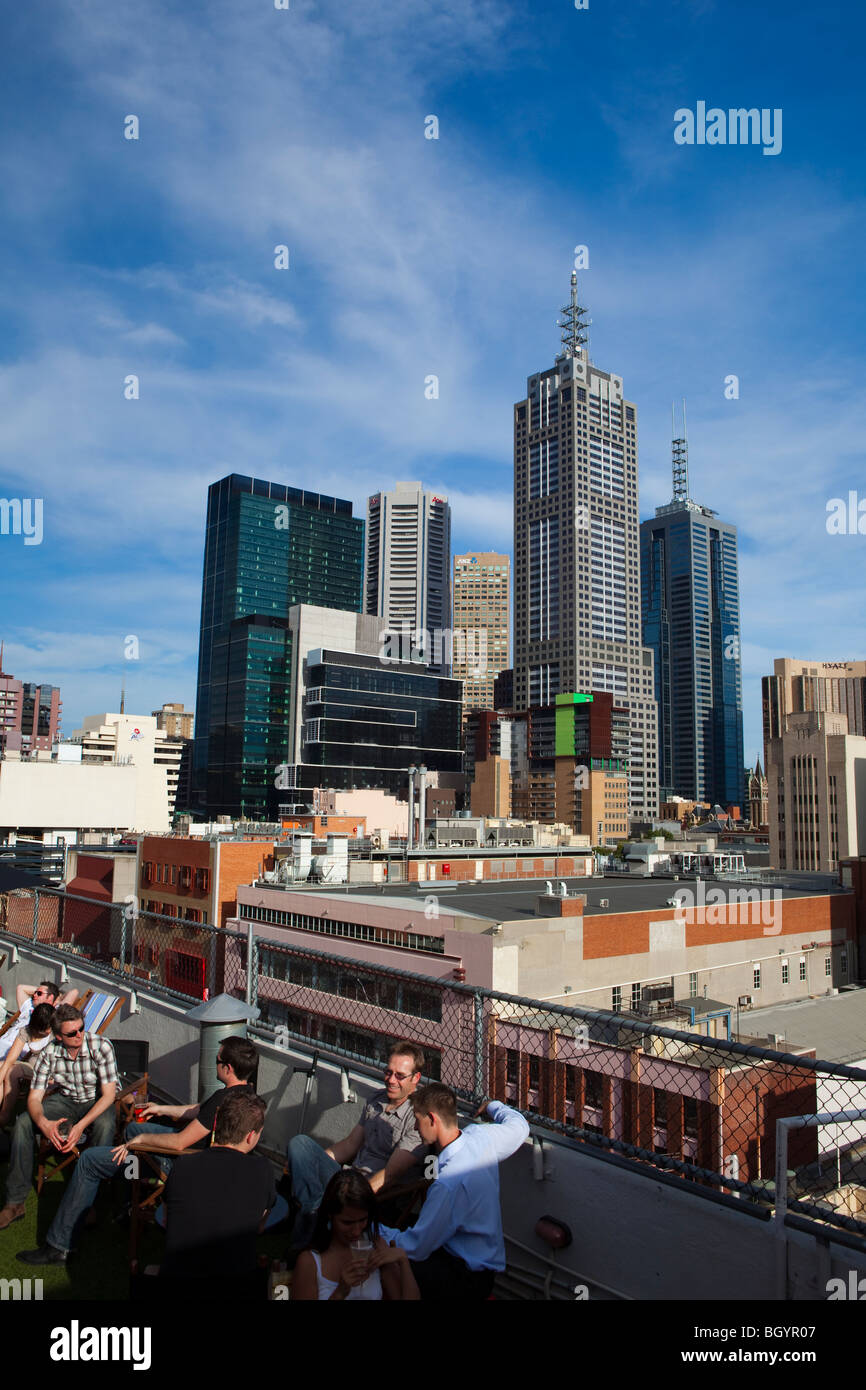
[384, 1144]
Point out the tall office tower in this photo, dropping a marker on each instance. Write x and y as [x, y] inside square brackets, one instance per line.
[691, 622]
[267, 547]
[481, 621]
[576, 568]
[797, 687]
[407, 567]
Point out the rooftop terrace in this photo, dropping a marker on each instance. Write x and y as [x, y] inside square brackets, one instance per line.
[644, 1138]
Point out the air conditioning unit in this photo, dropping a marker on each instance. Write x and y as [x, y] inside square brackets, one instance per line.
[604, 902]
[745, 1001]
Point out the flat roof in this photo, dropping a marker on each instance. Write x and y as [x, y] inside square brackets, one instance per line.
[515, 898]
[835, 1025]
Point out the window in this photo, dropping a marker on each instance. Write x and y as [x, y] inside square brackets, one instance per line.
[843, 963]
[756, 977]
[616, 999]
[174, 873]
[784, 972]
[635, 996]
[693, 984]
[803, 969]
[828, 966]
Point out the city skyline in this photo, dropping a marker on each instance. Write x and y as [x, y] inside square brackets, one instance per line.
[411, 257]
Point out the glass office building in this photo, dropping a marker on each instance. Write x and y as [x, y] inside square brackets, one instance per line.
[267, 547]
[691, 620]
[366, 722]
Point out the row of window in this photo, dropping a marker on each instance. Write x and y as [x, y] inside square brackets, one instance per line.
[356, 931]
[385, 992]
[182, 876]
[359, 1042]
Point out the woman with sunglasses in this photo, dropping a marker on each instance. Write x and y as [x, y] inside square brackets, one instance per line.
[337, 1266]
[16, 1065]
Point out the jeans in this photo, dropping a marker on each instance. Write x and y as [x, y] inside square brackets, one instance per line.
[311, 1169]
[94, 1164]
[20, 1176]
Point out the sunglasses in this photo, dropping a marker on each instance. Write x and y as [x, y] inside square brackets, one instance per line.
[74, 1032]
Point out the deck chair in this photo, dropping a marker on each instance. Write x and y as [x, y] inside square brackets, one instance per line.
[99, 1009]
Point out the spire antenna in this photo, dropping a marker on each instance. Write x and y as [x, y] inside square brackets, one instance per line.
[680, 458]
[575, 323]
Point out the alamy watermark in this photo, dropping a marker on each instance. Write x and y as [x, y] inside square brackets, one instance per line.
[846, 518]
[717, 907]
[22, 516]
[737, 126]
[464, 647]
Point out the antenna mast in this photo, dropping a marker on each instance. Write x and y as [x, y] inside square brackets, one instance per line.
[575, 325]
[680, 458]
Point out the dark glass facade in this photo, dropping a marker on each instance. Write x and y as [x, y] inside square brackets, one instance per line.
[366, 723]
[267, 547]
[691, 620]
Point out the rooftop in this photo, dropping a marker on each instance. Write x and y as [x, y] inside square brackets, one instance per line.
[518, 897]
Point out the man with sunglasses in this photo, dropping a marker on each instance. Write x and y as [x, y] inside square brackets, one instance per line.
[29, 997]
[384, 1145]
[82, 1069]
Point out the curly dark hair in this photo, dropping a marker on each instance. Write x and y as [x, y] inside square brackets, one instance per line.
[348, 1188]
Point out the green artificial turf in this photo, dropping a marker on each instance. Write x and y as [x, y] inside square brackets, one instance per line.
[99, 1270]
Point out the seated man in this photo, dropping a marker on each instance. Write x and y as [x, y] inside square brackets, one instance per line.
[216, 1202]
[384, 1145]
[82, 1069]
[456, 1247]
[29, 997]
[236, 1062]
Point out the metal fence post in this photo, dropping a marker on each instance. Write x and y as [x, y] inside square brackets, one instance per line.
[212, 972]
[36, 914]
[478, 1001]
[123, 921]
[252, 968]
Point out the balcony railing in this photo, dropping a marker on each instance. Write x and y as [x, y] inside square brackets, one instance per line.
[702, 1107]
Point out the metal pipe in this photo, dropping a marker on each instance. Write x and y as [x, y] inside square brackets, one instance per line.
[563, 1269]
[422, 804]
[410, 839]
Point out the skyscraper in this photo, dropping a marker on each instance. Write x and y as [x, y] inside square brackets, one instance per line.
[691, 621]
[267, 547]
[481, 585]
[576, 563]
[407, 578]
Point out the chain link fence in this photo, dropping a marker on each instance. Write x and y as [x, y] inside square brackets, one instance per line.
[694, 1104]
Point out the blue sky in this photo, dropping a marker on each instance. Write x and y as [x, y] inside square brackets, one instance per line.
[408, 257]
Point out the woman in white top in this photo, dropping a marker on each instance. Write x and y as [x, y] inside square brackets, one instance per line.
[16, 1066]
[336, 1267]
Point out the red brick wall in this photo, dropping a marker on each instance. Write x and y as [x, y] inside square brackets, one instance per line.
[627, 933]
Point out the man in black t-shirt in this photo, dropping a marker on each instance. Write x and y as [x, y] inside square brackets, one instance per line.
[217, 1201]
[237, 1062]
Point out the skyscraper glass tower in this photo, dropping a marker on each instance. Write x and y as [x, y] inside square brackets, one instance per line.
[576, 561]
[691, 621]
[267, 547]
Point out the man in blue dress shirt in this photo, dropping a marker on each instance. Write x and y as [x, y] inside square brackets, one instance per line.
[456, 1248]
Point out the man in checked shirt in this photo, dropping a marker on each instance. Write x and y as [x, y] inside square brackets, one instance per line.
[83, 1071]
